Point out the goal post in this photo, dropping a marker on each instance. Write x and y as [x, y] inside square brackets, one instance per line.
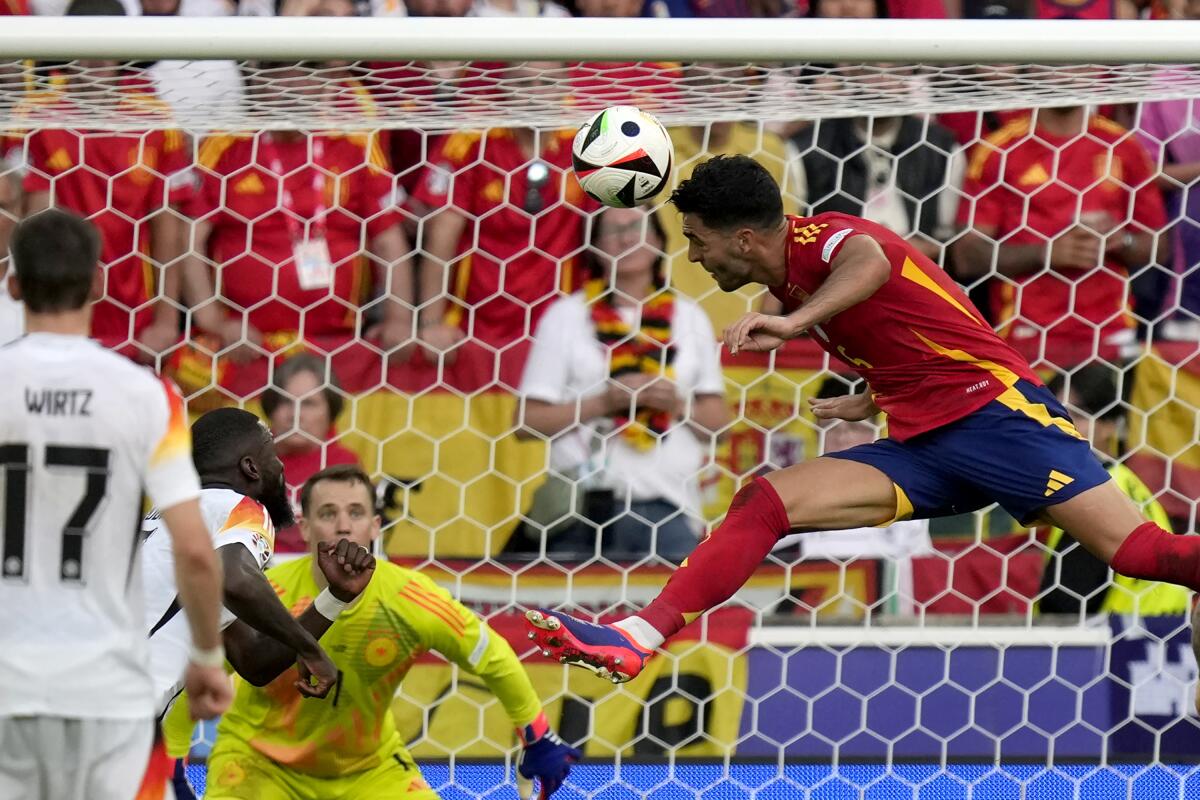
[841, 661]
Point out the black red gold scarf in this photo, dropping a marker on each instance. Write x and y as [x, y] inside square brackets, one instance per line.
[648, 351]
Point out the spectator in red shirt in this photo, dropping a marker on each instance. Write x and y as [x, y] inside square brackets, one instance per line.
[290, 259]
[121, 181]
[509, 216]
[302, 404]
[1063, 206]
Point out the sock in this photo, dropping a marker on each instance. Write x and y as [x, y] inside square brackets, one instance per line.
[643, 633]
[720, 564]
[1151, 553]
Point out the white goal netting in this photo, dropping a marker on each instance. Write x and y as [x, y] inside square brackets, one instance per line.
[451, 308]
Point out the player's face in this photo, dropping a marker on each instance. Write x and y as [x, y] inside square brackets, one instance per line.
[302, 421]
[340, 510]
[627, 241]
[721, 253]
[274, 492]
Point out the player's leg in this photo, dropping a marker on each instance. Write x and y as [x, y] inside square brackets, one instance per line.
[21, 769]
[397, 778]
[1105, 521]
[1023, 450]
[115, 754]
[237, 772]
[823, 494]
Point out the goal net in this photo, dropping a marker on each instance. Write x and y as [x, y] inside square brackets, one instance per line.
[381, 249]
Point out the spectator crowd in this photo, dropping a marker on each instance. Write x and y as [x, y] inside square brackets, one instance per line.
[297, 270]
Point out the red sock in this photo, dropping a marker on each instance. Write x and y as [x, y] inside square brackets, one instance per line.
[1151, 553]
[720, 564]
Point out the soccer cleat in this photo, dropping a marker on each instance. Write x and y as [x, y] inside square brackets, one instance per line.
[603, 649]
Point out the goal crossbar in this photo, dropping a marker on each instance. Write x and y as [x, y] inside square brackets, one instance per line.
[743, 40]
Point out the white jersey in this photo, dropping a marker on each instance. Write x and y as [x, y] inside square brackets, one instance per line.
[84, 433]
[231, 518]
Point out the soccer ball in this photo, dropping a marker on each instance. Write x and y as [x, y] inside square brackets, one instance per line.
[622, 157]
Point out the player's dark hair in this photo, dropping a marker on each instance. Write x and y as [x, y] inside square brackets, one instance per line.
[55, 254]
[221, 438]
[276, 394]
[341, 473]
[95, 8]
[1096, 390]
[881, 9]
[729, 192]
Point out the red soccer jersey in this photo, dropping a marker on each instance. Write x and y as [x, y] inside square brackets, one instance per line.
[515, 262]
[1028, 188]
[926, 352]
[253, 234]
[118, 180]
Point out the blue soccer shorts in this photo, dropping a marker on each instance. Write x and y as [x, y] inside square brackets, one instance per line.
[1020, 450]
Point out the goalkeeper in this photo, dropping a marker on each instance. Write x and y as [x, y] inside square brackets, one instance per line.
[273, 746]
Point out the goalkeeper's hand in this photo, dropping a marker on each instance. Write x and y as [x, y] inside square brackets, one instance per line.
[545, 757]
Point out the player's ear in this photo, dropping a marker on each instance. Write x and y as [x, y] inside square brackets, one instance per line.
[305, 534]
[97, 291]
[250, 468]
[14, 286]
[376, 527]
[744, 238]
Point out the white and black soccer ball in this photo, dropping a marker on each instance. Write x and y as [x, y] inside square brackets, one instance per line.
[622, 156]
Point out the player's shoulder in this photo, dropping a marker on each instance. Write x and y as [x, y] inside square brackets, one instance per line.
[216, 146]
[460, 146]
[289, 574]
[1008, 135]
[408, 579]
[91, 361]
[1105, 129]
[225, 509]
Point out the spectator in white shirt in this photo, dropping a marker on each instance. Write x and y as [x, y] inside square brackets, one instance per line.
[624, 344]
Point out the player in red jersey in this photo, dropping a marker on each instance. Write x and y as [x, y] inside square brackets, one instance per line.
[969, 423]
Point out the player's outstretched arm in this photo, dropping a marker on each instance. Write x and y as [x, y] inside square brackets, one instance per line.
[261, 659]
[250, 597]
[851, 407]
[198, 582]
[857, 272]
[462, 637]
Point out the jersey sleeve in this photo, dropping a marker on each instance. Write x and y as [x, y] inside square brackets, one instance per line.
[1149, 212]
[249, 525]
[815, 245]
[983, 204]
[176, 168]
[378, 197]
[450, 179]
[170, 477]
[39, 175]
[453, 630]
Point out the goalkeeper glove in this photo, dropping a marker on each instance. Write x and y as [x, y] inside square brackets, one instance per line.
[545, 756]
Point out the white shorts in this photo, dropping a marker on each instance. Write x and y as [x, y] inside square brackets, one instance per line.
[54, 758]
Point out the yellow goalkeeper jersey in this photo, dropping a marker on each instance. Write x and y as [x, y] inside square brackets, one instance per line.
[400, 616]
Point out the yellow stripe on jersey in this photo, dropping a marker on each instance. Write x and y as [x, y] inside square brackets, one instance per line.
[249, 515]
[914, 273]
[1011, 396]
[177, 440]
